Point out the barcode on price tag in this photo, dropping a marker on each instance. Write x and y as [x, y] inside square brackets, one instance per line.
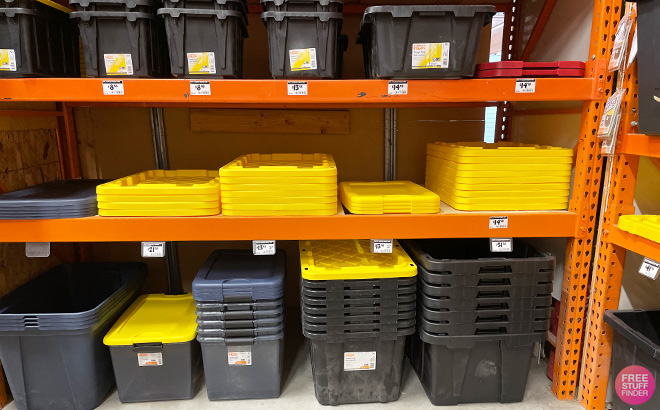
[649, 268]
[200, 88]
[263, 247]
[113, 87]
[526, 86]
[381, 245]
[501, 245]
[397, 88]
[153, 249]
[498, 222]
[297, 87]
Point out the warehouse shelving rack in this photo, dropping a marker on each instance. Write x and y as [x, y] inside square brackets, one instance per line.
[578, 223]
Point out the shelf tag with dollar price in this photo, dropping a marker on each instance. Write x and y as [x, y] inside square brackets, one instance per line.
[526, 86]
[153, 249]
[200, 88]
[381, 245]
[649, 268]
[501, 244]
[113, 87]
[263, 247]
[297, 87]
[498, 222]
[397, 88]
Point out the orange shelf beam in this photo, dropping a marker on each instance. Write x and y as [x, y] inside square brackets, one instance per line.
[447, 225]
[639, 144]
[273, 93]
[634, 243]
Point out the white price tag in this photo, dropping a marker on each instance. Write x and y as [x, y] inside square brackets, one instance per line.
[359, 361]
[649, 268]
[153, 249]
[397, 88]
[239, 355]
[381, 245]
[498, 222]
[113, 87]
[150, 359]
[526, 86]
[501, 245]
[297, 87]
[200, 88]
[263, 247]
[37, 249]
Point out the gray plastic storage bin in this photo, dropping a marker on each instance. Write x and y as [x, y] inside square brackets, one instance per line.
[179, 377]
[122, 44]
[144, 6]
[422, 41]
[229, 276]
[234, 5]
[305, 39]
[239, 314]
[253, 371]
[338, 378]
[241, 324]
[205, 43]
[67, 367]
[39, 41]
[314, 6]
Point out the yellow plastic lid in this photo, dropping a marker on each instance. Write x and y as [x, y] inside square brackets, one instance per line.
[332, 179]
[383, 193]
[503, 167]
[647, 226]
[332, 206]
[280, 165]
[156, 318]
[160, 212]
[164, 182]
[157, 198]
[281, 200]
[352, 259]
[159, 205]
[280, 194]
[287, 212]
[499, 149]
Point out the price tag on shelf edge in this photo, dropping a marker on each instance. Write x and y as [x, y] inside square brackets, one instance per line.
[200, 88]
[526, 86]
[649, 268]
[381, 245]
[153, 249]
[296, 87]
[37, 249]
[397, 88]
[113, 87]
[498, 222]
[501, 244]
[263, 247]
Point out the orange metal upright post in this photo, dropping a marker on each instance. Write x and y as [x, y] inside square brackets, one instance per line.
[510, 38]
[586, 188]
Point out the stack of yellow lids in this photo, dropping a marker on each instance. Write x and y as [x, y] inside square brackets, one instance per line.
[161, 193]
[352, 259]
[504, 176]
[392, 197]
[647, 226]
[279, 184]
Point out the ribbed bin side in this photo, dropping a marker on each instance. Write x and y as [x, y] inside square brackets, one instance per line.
[337, 381]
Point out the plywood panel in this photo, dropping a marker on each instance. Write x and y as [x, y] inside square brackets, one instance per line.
[270, 121]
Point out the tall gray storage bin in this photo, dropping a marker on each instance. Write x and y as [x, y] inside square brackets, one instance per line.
[52, 329]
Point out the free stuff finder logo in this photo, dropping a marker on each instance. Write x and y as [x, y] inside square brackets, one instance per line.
[635, 385]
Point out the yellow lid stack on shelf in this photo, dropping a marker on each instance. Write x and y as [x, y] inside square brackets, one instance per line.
[161, 193]
[391, 197]
[504, 176]
[646, 226]
[279, 184]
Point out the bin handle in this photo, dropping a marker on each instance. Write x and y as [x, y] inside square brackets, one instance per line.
[238, 341]
[148, 347]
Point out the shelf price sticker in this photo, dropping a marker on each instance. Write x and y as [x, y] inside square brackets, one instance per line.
[153, 249]
[498, 222]
[297, 87]
[200, 88]
[397, 88]
[526, 86]
[356, 361]
[239, 355]
[37, 249]
[381, 245]
[150, 359]
[649, 268]
[501, 244]
[113, 87]
[263, 247]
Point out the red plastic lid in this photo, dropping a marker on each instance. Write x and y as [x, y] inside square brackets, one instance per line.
[515, 72]
[500, 65]
[553, 65]
[524, 73]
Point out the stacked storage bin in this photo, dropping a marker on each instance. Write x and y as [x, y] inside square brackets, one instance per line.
[205, 37]
[37, 39]
[154, 352]
[426, 41]
[121, 38]
[391, 197]
[240, 317]
[357, 309]
[74, 198]
[504, 176]
[279, 184]
[647, 226]
[304, 37]
[161, 193]
[477, 308]
[52, 329]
